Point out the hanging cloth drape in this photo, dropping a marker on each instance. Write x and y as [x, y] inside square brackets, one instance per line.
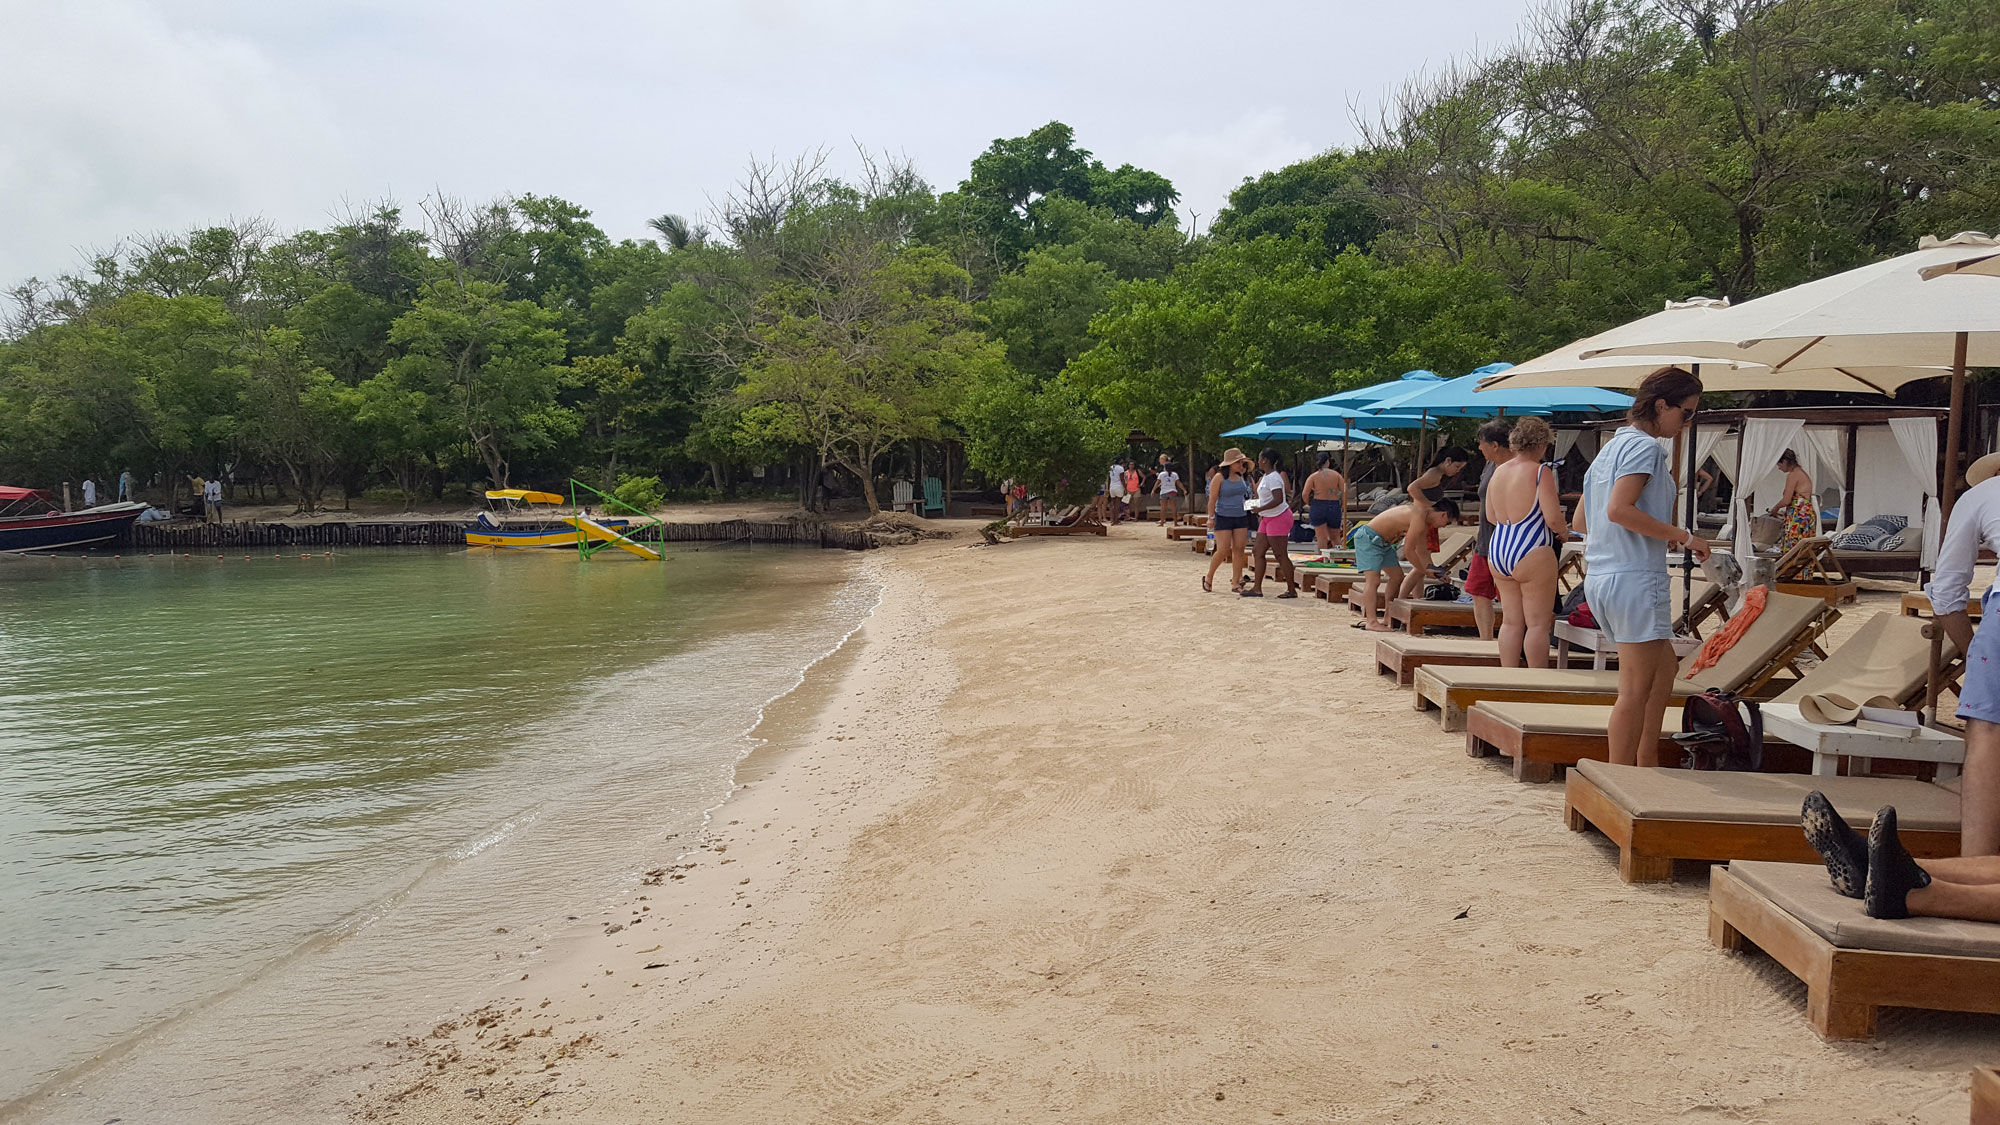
[1917, 438]
[1565, 441]
[1725, 452]
[1705, 439]
[1757, 462]
[1825, 444]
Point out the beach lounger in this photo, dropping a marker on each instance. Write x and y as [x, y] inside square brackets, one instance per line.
[1810, 570]
[1916, 603]
[1400, 656]
[1418, 616]
[1657, 815]
[1788, 626]
[1986, 1097]
[1852, 964]
[1889, 655]
[1071, 521]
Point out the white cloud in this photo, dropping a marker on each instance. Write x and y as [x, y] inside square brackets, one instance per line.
[136, 115]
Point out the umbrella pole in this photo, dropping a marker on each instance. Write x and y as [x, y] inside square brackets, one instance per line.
[1687, 556]
[1947, 476]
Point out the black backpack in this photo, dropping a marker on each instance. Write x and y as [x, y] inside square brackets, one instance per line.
[1720, 731]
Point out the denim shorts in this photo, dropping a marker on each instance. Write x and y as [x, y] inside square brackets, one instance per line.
[1632, 606]
[1979, 697]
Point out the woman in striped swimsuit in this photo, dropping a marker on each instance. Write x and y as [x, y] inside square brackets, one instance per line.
[1528, 524]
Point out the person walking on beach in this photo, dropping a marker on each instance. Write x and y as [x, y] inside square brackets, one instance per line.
[1974, 524]
[1168, 486]
[1325, 498]
[1135, 493]
[1493, 449]
[211, 500]
[1628, 498]
[1377, 557]
[1228, 492]
[1274, 525]
[1426, 492]
[1527, 519]
[1114, 493]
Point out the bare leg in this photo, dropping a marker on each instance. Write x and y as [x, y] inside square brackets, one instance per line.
[1632, 742]
[1368, 598]
[1482, 616]
[1660, 688]
[1257, 573]
[1218, 556]
[1536, 577]
[1285, 569]
[1240, 540]
[1513, 622]
[1980, 903]
[1980, 827]
[1970, 869]
[1413, 582]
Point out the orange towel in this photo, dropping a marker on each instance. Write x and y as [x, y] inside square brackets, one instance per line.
[1725, 638]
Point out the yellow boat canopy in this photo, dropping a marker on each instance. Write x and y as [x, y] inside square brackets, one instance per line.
[524, 494]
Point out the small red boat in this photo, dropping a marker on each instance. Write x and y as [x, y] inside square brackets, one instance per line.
[31, 521]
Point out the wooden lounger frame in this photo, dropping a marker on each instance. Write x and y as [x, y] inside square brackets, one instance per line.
[1537, 756]
[1844, 987]
[1986, 1097]
[1393, 661]
[1809, 569]
[1648, 847]
[1071, 521]
[1453, 703]
[1418, 615]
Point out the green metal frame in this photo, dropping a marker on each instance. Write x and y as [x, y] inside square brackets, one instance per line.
[586, 546]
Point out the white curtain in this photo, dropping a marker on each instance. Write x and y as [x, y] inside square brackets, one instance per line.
[1565, 441]
[1826, 449]
[1757, 461]
[1917, 438]
[1705, 440]
[1727, 446]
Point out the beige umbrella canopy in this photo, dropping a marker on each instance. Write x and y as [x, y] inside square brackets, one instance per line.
[1986, 265]
[1883, 315]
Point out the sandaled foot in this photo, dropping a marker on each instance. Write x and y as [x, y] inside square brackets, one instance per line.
[1207, 584]
[1289, 594]
[1844, 850]
[1251, 593]
[1892, 874]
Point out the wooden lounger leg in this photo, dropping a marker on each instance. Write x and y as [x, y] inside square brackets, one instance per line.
[1535, 772]
[1644, 868]
[1722, 934]
[1834, 1019]
[1576, 821]
[1477, 747]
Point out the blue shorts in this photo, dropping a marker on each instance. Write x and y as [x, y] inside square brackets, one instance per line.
[1632, 606]
[1324, 513]
[1979, 696]
[1372, 552]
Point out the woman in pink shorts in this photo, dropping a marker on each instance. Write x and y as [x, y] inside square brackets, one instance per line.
[1274, 525]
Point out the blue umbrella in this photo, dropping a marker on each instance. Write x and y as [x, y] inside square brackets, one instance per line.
[1462, 398]
[1336, 407]
[1304, 431]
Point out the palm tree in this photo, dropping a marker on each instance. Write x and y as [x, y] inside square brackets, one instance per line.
[678, 233]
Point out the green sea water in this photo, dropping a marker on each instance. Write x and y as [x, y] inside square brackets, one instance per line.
[278, 800]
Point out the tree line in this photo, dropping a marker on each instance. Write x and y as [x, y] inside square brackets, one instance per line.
[1625, 152]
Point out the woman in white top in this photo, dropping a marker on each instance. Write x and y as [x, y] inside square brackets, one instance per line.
[1168, 486]
[1274, 525]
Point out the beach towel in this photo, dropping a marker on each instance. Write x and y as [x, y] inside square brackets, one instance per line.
[1726, 637]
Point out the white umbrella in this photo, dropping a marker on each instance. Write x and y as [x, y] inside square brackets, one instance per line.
[1562, 368]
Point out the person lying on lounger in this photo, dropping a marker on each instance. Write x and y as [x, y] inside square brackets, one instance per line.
[1889, 883]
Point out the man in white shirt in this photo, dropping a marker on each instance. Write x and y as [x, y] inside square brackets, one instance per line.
[1975, 523]
[89, 493]
[211, 497]
[1114, 493]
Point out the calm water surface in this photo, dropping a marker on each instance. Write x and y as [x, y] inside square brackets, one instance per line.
[277, 804]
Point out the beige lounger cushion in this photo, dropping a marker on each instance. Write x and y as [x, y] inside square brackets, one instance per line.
[1785, 616]
[1565, 718]
[1438, 646]
[1650, 793]
[1889, 655]
[1802, 890]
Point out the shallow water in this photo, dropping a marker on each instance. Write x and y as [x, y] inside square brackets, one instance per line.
[281, 803]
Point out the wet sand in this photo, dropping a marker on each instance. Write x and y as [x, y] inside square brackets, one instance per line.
[1072, 841]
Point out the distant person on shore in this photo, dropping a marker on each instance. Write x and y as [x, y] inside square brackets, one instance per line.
[1135, 493]
[1168, 486]
[211, 499]
[1325, 498]
[1628, 499]
[1378, 558]
[1528, 524]
[1426, 492]
[89, 493]
[1492, 444]
[1274, 525]
[1229, 519]
[125, 485]
[1114, 493]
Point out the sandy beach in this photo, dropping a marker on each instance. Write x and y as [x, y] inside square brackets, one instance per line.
[1058, 837]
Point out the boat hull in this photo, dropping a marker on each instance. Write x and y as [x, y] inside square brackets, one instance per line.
[68, 529]
[544, 537]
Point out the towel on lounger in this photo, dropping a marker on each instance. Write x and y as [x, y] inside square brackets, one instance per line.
[1725, 638]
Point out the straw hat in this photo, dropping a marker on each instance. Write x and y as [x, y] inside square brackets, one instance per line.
[1981, 469]
[1232, 455]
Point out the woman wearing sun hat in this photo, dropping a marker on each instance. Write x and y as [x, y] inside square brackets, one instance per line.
[1975, 523]
[1228, 493]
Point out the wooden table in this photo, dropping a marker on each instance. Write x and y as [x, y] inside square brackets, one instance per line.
[1829, 744]
[1595, 642]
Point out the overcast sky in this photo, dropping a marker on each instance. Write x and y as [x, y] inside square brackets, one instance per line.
[125, 116]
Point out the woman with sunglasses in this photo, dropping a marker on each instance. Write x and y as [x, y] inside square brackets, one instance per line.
[1628, 501]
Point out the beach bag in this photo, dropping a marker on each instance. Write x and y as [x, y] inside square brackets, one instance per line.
[1581, 617]
[1440, 592]
[1721, 731]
